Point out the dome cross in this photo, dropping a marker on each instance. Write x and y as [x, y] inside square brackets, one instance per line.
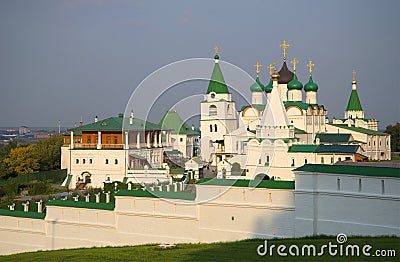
[294, 62]
[284, 46]
[310, 65]
[257, 66]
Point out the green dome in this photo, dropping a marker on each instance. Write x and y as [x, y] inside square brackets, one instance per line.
[257, 86]
[311, 86]
[216, 57]
[295, 84]
[268, 88]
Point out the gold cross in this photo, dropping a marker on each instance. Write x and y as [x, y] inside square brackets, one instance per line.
[257, 66]
[310, 65]
[354, 75]
[272, 67]
[216, 49]
[294, 62]
[284, 45]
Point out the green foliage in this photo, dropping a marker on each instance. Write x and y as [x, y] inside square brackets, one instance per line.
[22, 160]
[394, 132]
[49, 152]
[4, 151]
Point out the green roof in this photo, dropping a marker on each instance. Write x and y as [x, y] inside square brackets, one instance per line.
[80, 204]
[299, 131]
[354, 103]
[268, 88]
[275, 184]
[323, 149]
[18, 213]
[303, 148]
[157, 194]
[217, 82]
[333, 138]
[172, 120]
[295, 84]
[359, 129]
[258, 106]
[302, 105]
[311, 86]
[118, 123]
[257, 86]
[352, 170]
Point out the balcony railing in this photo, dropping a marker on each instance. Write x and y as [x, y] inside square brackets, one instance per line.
[103, 146]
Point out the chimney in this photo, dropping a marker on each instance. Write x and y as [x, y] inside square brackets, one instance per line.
[96, 119]
[131, 118]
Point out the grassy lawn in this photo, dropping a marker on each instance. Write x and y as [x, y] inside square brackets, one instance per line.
[230, 251]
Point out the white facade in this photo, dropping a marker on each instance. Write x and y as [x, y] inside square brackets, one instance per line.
[357, 205]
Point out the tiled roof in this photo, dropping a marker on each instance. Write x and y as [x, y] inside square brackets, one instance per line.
[276, 184]
[333, 138]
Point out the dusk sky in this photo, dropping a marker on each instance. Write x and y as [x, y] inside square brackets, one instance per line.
[60, 60]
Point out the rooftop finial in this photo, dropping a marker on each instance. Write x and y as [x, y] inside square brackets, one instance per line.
[284, 46]
[257, 66]
[354, 76]
[216, 57]
[272, 67]
[310, 65]
[294, 62]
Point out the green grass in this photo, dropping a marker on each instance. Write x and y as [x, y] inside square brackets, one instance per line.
[230, 251]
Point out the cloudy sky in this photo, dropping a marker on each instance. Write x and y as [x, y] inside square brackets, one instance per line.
[60, 60]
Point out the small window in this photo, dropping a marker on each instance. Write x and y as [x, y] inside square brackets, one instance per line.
[215, 128]
[115, 140]
[181, 139]
[292, 161]
[322, 160]
[89, 139]
[108, 139]
[106, 161]
[90, 161]
[267, 159]
[77, 161]
[83, 161]
[340, 159]
[331, 160]
[305, 160]
[259, 161]
[116, 161]
[210, 128]
[212, 95]
[212, 110]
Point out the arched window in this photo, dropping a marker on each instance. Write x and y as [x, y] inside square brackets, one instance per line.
[267, 160]
[77, 161]
[212, 110]
[210, 128]
[215, 128]
[229, 110]
[292, 161]
[305, 160]
[83, 161]
[116, 161]
[106, 161]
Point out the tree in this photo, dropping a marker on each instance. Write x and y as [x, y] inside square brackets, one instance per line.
[22, 160]
[49, 152]
[394, 132]
[4, 152]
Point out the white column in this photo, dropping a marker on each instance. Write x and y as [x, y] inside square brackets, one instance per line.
[126, 141]
[160, 139]
[72, 140]
[40, 206]
[148, 140]
[155, 140]
[138, 140]
[98, 140]
[168, 138]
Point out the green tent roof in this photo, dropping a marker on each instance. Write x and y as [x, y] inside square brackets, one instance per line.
[118, 123]
[217, 82]
[172, 120]
[354, 103]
